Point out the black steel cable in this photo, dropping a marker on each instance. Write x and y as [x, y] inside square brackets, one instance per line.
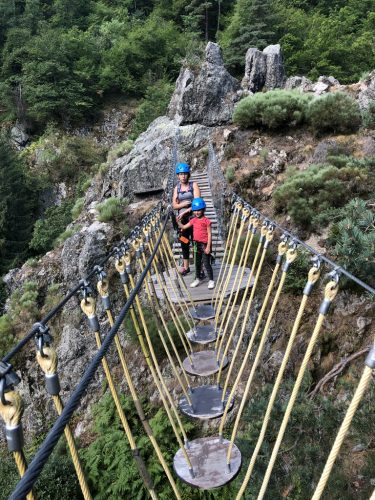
[45, 450]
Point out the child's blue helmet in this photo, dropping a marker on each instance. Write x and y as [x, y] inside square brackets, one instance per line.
[182, 168]
[198, 204]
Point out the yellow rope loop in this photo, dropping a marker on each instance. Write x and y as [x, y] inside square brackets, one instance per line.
[120, 264]
[48, 362]
[270, 234]
[245, 213]
[127, 259]
[102, 287]
[263, 230]
[12, 412]
[314, 274]
[331, 290]
[88, 306]
[291, 255]
[135, 244]
[282, 248]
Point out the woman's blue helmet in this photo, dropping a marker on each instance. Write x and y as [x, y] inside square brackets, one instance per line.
[182, 168]
[198, 204]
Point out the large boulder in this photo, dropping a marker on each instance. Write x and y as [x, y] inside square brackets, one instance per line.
[264, 70]
[207, 97]
[367, 93]
[148, 164]
[18, 136]
[300, 83]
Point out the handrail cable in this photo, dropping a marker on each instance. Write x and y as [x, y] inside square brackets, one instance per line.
[41, 456]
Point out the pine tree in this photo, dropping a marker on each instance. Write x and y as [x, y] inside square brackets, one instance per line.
[251, 26]
[17, 208]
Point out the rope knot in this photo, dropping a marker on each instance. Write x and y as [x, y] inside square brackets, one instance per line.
[12, 411]
[88, 306]
[47, 362]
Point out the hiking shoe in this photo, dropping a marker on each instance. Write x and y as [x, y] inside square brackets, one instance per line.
[195, 283]
[211, 285]
[184, 271]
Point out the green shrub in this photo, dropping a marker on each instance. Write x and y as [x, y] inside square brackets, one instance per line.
[304, 195]
[119, 150]
[53, 296]
[154, 104]
[297, 274]
[46, 230]
[64, 236]
[229, 151]
[368, 116]
[111, 209]
[335, 112]
[77, 207]
[353, 239]
[7, 334]
[229, 174]
[273, 110]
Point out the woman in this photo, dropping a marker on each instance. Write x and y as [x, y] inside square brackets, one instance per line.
[183, 195]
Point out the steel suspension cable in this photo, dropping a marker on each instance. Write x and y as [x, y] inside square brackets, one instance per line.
[40, 458]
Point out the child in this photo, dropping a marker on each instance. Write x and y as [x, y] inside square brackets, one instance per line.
[202, 238]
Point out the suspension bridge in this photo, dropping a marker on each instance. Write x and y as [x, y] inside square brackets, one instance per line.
[215, 345]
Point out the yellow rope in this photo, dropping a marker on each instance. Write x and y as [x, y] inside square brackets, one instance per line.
[362, 386]
[269, 236]
[248, 285]
[223, 288]
[329, 295]
[48, 363]
[88, 307]
[225, 318]
[103, 292]
[290, 257]
[312, 278]
[282, 248]
[11, 413]
[155, 371]
[227, 250]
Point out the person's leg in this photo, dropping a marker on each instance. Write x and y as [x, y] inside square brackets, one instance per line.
[185, 248]
[198, 264]
[208, 267]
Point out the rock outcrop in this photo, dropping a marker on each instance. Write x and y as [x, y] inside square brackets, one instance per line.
[148, 164]
[300, 83]
[264, 70]
[207, 97]
[367, 94]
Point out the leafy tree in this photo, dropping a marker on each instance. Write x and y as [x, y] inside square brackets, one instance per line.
[18, 204]
[252, 25]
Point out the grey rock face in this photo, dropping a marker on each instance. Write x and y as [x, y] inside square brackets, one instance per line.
[367, 94]
[147, 166]
[300, 83]
[207, 97]
[264, 70]
[18, 136]
[83, 250]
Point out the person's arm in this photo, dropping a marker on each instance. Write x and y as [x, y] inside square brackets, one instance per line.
[207, 250]
[196, 190]
[184, 226]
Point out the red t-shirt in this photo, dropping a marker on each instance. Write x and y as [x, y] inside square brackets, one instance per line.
[200, 226]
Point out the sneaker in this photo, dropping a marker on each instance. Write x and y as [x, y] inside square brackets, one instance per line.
[195, 283]
[211, 285]
[184, 271]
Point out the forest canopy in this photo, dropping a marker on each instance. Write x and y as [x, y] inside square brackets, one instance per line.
[60, 59]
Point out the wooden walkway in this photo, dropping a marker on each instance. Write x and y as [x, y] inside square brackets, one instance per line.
[201, 294]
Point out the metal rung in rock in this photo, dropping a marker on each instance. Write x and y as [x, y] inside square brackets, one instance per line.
[206, 401]
[208, 457]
